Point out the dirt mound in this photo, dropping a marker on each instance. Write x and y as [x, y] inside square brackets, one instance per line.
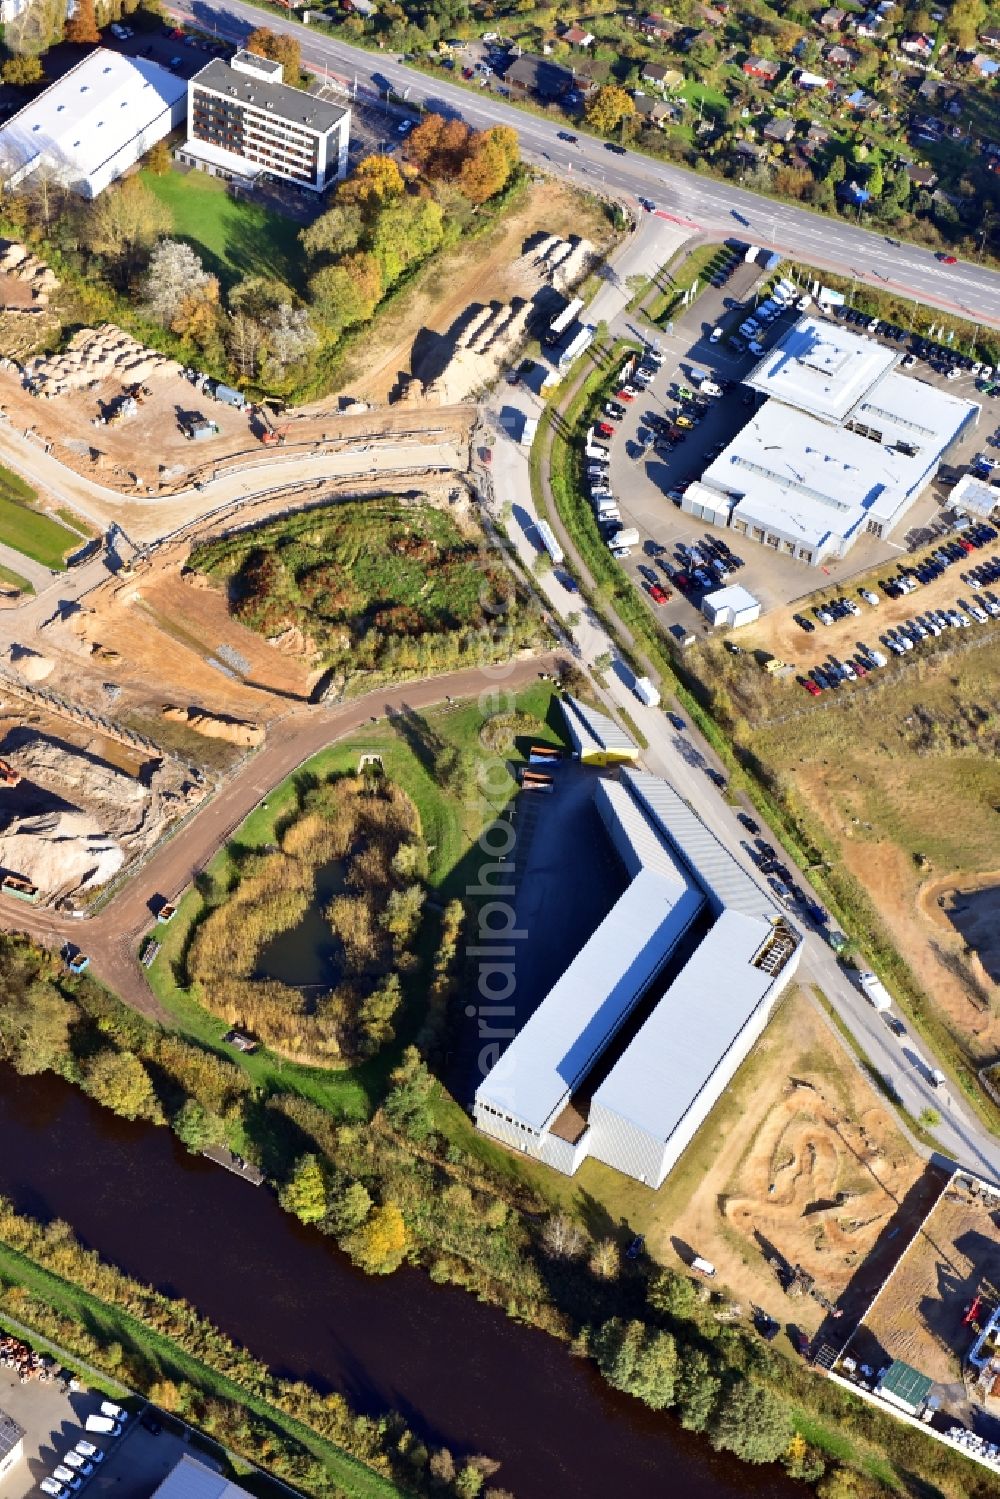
[91, 356]
[214, 726]
[60, 851]
[32, 665]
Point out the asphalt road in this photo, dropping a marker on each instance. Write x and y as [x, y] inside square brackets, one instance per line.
[702, 203]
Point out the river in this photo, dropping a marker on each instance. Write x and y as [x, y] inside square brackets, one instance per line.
[460, 1372]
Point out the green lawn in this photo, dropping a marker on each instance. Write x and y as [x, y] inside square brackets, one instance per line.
[234, 238]
[38, 536]
[14, 580]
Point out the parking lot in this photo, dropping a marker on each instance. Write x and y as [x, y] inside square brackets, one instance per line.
[644, 473]
[52, 1417]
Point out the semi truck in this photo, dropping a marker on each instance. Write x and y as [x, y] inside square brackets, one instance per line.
[581, 339]
[562, 320]
[875, 991]
[646, 692]
[549, 542]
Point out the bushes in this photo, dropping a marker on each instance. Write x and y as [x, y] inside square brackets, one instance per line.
[372, 830]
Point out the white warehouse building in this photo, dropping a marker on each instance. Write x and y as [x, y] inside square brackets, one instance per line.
[843, 445]
[93, 124]
[605, 1067]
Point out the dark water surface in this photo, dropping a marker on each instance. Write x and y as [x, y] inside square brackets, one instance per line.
[460, 1372]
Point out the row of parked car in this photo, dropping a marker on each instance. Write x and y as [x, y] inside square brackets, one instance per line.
[78, 1464]
[939, 357]
[833, 672]
[783, 296]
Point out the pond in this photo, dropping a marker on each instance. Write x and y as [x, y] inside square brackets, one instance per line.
[308, 953]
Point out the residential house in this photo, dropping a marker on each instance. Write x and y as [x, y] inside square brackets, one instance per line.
[832, 19]
[588, 76]
[990, 37]
[929, 90]
[861, 103]
[869, 25]
[654, 111]
[661, 77]
[577, 37]
[917, 44]
[922, 177]
[762, 68]
[840, 57]
[660, 28]
[778, 130]
[986, 67]
[536, 77]
[817, 139]
[710, 15]
[749, 152]
[810, 82]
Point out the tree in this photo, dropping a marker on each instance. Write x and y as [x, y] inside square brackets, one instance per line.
[752, 1422]
[245, 338]
[605, 1260]
[304, 1194]
[562, 1237]
[638, 1359]
[158, 158]
[541, 565]
[603, 662]
[82, 24]
[196, 1128]
[405, 232]
[839, 1483]
[609, 107]
[124, 220]
[120, 1082]
[374, 181]
[672, 1293]
[279, 47]
[837, 169]
[348, 1208]
[379, 1245]
[408, 1103]
[174, 276]
[697, 1390]
[485, 170]
[438, 147]
[802, 1461]
[34, 1022]
[290, 336]
[22, 72]
[335, 232]
[346, 294]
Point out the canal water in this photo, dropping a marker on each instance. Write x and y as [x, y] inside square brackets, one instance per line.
[460, 1372]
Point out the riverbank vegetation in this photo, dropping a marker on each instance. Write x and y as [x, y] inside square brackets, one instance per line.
[160, 1345]
[370, 829]
[383, 589]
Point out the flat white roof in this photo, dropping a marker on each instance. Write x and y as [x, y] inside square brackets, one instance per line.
[975, 496]
[218, 156]
[692, 1030]
[821, 368]
[734, 596]
[193, 1480]
[591, 730]
[552, 1052]
[811, 482]
[89, 114]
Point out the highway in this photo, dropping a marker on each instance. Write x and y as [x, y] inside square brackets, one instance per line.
[701, 203]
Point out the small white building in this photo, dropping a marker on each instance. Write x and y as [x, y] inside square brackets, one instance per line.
[732, 607]
[93, 124]
[972, 496]
[11, 1443]
[245, 122]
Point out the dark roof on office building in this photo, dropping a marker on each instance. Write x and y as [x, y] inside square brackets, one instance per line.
[288, 103]
[10, 1434]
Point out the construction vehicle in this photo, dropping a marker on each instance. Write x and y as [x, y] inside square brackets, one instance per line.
[271, 436]
[20, 889]
[8, 775]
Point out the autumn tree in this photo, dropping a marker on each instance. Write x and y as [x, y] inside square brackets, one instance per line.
[22, 72]
[405, 233]
[82, 24]
[120, 1082]
[562, 1237]
[346, 294]
[304, 1194]
[438, 147]
[486, 169]
[335, 232]
[34, 1022]
[375, 180]
[174, 277]
[290, 336]
[380, 1244]
[158, 158]
[125, 220]
[609, 107]
[278, 47]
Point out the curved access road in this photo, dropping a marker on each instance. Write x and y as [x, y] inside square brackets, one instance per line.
[111, 938]
[700, 203]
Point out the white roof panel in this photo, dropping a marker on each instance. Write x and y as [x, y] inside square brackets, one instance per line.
[692, 1029]
[90, 114]
[821, 368]
[734, 596]
[592, 730]
[553, 1050]
[193, 1480]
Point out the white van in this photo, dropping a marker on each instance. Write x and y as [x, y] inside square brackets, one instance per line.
[703, 1267]
[104, 1425]
[709, 388]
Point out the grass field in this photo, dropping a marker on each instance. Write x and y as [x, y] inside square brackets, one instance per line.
[111, 1325]
[27, 530]
[14, 580]
[235, 239]
[449, 826]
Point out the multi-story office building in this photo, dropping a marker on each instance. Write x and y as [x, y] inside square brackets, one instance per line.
[245, 123]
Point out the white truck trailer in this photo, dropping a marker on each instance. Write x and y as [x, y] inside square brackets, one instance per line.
[875, 991]
[646, 692]
[549, 542]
